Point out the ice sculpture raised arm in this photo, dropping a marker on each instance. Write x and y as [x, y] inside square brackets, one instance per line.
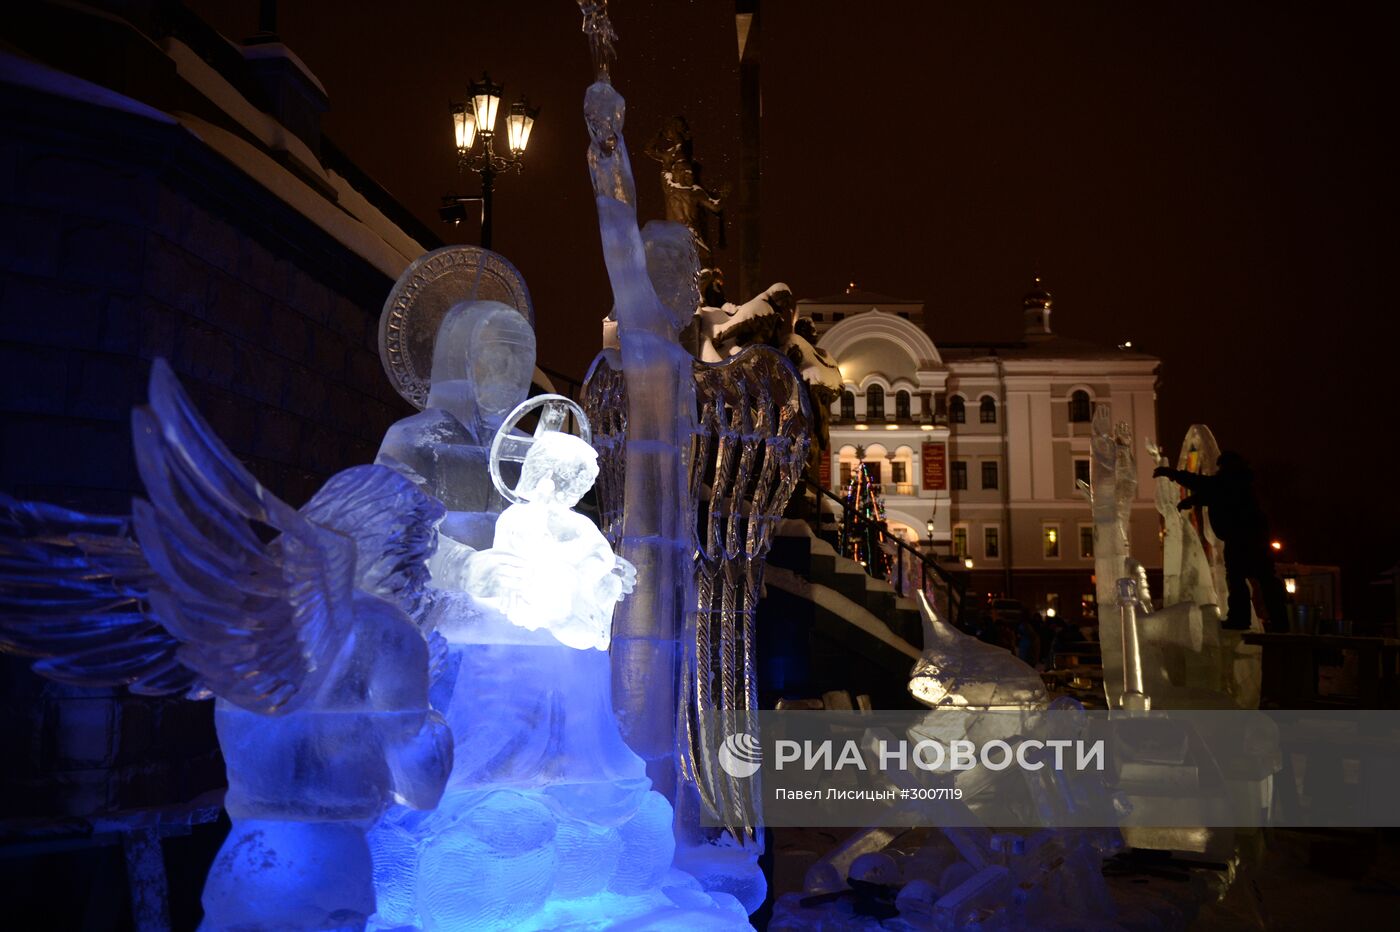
[550, 567]
[659, 424]
[306, 640]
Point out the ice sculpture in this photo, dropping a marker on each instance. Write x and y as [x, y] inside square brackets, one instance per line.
[549, 820]
[557, 571]
[483, 357]
[1203, 665]
[957, 671]
[320, 673]
[746, 458]
[1113, 485]
[698, 462]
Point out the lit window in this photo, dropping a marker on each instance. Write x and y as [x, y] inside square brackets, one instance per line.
[988, 411]
[991, 543]
[901, 406]
[874, 402]
[957, 410]
[989, 474]
[959, 475]
[1080, 410]
[960, 541]
[1081, 471]
[1086, 542]
[1050, 538]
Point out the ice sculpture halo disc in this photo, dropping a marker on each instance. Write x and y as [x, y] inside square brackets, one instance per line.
[431, 285]
[511, 448]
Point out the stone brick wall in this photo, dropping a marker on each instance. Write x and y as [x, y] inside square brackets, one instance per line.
[121, 240]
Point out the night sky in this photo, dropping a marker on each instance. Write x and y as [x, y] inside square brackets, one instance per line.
[1214, 181]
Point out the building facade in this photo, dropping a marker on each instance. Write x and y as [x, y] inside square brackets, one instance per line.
[979, 448]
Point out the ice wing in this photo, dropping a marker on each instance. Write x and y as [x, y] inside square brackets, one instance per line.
[259, 596]
[74, 592]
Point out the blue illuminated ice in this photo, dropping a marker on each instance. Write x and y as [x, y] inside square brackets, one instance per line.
[549, 819]
[554, 569]
[307, 636]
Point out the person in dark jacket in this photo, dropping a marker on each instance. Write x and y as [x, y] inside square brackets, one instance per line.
[1238, 521]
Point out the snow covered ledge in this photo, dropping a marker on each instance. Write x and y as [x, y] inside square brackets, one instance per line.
[323, 197]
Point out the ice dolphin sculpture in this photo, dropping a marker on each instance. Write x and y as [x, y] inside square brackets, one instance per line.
[320, 672]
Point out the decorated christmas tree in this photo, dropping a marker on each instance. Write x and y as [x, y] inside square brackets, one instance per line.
[863, 531]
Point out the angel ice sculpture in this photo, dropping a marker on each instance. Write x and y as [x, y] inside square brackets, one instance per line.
[307, 641]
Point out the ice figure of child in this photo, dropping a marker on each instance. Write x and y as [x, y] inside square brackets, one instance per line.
[564, 576]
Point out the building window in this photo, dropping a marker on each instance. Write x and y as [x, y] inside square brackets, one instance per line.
[991, 542]
[817, 317]
[960, 541]
[959, 475]
[957, 410]
[873, 467]
[1050, 541]
[899, 472]
[837, 316]
[1081, 472]
[904, 314]
[1086, 541]
[1080, 410]
[874, 402]
[988, 412]
[901, 406]
[847, 467]
[1052, 604]
[989, 474]
[848, 406]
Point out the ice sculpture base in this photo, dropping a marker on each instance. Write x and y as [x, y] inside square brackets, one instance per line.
[289, 875]
[549, 820]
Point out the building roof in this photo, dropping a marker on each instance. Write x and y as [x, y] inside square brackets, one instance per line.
[857, 296]
[1052, 347]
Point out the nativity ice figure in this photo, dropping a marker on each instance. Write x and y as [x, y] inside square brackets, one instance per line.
[483, 358]
[550, 567]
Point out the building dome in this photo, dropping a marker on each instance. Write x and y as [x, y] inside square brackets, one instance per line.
[1036, 310]
[1037, 299]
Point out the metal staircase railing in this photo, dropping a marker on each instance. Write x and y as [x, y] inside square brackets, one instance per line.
[946, 590]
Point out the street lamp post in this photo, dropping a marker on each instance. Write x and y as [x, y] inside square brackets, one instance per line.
[474, 126]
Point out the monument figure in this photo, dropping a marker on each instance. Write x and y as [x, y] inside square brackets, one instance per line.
[688, 201]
